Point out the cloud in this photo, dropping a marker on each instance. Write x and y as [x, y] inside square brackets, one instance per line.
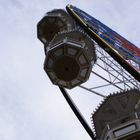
[30, 106]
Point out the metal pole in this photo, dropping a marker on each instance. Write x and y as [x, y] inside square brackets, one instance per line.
[77, 113]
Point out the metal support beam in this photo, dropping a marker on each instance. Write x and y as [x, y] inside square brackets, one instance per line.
[77, 113]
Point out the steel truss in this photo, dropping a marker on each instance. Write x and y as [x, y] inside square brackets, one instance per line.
[110, 75]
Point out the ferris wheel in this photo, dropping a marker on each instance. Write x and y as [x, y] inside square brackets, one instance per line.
[83, 52]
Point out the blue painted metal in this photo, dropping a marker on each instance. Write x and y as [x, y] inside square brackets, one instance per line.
[128, 50]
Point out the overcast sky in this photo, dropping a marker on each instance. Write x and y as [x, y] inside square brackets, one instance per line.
[31, 108]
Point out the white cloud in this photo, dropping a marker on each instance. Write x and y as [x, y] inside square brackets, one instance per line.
[30, 106]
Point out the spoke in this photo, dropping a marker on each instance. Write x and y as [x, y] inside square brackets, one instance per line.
[92, 91]
[106, 80]
[113, 75]
[119, 72]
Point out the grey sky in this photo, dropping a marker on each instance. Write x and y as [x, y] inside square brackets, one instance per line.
[31, 108]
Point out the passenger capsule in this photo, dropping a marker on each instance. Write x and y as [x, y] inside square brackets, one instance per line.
[70, 57]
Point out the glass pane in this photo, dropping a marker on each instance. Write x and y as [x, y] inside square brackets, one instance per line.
[75, 82]
[43, 39]
[63, 83]
[52, 75]
[83, 72]
[125, 130]
[58, 52]
[50, 63]
[82, 59]
[72, 51]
